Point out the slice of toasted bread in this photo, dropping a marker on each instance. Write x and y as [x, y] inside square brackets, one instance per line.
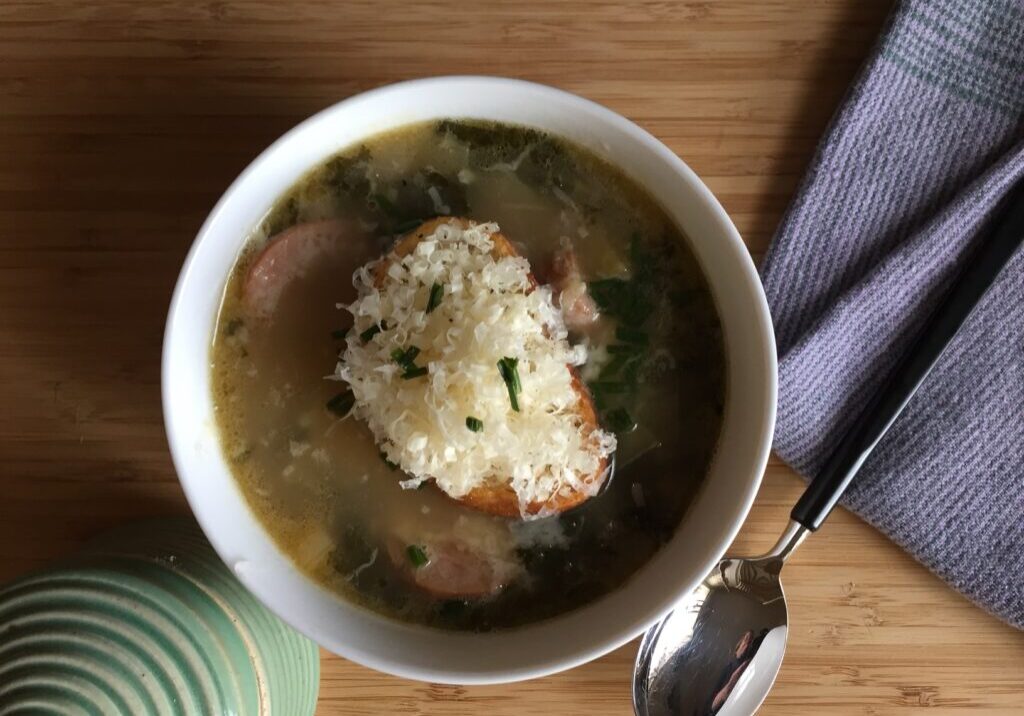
[498, 498]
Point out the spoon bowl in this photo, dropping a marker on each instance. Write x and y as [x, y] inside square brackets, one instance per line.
[727, 637]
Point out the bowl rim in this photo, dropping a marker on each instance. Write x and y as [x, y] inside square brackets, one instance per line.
[630, 628]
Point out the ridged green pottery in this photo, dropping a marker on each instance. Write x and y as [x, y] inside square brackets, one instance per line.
[148, 620]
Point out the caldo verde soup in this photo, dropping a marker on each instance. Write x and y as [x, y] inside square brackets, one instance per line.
[468, 375]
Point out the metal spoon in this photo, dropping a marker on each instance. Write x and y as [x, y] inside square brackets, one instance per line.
[719, 651]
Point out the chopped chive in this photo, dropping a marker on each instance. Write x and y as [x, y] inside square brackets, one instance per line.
[341, 404]
[417, 555]
[414, 372]
[410, 355]
[436, 294]
[405, 356]
[509, 371]
[474, 424]
[620, 421]
[631, 335]
[339, 334]
[367, 335]
[513, 369]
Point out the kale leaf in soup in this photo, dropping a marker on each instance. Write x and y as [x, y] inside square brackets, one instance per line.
[315, 475]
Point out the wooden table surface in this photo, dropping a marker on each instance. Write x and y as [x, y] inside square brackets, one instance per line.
[121, 123]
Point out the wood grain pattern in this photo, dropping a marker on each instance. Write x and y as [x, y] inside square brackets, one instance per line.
[120, 124]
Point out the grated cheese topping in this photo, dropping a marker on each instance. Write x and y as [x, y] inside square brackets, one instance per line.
[488, 311]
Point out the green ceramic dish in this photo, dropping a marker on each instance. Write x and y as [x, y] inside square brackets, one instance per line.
[148, 620]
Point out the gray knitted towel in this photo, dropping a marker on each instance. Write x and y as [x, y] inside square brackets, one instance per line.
[926, 144]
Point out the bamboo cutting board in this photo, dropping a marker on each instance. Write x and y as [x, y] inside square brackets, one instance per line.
[121, 122]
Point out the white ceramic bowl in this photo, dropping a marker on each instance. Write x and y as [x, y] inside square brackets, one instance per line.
[419, 652]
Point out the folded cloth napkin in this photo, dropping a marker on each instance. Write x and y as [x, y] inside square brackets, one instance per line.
[917, 159]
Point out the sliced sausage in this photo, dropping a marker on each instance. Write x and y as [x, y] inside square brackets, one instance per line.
[578, 308]
[453, 569]
[288, 256]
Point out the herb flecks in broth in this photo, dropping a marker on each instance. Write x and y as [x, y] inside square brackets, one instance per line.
[315, 476]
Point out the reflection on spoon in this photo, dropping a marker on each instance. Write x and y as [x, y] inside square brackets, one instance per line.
[719, 651]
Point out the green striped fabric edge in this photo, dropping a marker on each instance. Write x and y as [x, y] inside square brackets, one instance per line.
[983, 76]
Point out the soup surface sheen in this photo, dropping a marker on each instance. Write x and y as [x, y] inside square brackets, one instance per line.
[655, 370]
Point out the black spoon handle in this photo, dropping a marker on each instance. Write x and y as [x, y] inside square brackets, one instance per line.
[998, 246]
